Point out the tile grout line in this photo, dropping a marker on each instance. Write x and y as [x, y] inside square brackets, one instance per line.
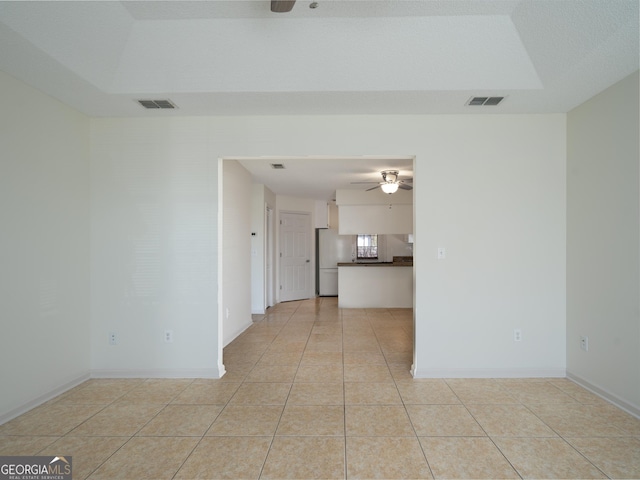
[344, 397]
[560, 435]
[484, 430]
[225, 405]
[391, 353]
[86, 420]
[275, 431]
[404, 406]
[204, 434]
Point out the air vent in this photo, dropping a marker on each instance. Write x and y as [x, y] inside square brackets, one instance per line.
[155, 104]
[484, 101]
[277, 166]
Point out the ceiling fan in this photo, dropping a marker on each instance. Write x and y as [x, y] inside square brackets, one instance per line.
[390, 182]
[282, 6]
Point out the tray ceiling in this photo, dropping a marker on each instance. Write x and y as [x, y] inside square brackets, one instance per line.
[237, 57]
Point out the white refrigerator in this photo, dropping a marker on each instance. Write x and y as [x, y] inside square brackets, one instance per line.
[332, 249]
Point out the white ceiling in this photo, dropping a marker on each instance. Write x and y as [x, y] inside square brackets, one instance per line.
[320, 177]
[386, 56]
[345, 57]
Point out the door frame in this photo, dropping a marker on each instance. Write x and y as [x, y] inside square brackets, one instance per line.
[269, 257]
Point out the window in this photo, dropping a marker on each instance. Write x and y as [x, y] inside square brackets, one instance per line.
[367, 247]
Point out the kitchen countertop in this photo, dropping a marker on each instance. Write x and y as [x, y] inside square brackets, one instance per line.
[377, 285]
[375, 264]
[398, 261]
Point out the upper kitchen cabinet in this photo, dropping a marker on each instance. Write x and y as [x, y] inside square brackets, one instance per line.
[322, 214]
[326, 214]
[375, 212]
[334, 222]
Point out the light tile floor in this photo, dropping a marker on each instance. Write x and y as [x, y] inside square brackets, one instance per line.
[313, 391]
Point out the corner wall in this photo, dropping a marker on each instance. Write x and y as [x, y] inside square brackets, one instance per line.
[236, 250]
[603, 243]
[44, 247]
[154, 262]
[489, 188]
[491, 191]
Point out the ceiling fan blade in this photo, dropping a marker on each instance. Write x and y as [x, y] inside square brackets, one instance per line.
[372, 188]
[282, 6]
[405, 187]
[408, 180]
[362, 183]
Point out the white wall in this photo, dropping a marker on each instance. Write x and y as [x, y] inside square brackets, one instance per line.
[396, 245]
[603, 243]
[236, 249]
[491, 191]
[154, 247]
[44, 247]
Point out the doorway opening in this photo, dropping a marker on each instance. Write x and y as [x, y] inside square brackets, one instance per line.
[249, 213]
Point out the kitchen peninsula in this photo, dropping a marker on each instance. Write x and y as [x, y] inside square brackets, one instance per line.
[376, 284]
[373, 284]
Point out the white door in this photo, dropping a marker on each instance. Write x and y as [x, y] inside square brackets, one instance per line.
[295, 256]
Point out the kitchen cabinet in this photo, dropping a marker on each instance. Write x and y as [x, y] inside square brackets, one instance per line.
[322, 214]
[326, 215]
[334, 221]
[375, 212]
[375, 286]
[378, 219]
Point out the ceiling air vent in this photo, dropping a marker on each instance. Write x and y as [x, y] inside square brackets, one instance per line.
[155, 104]
[277, 166]
[484, 101]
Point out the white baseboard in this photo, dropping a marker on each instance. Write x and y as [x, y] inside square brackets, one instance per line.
[45, 397]
[488, 372]
[213, 373]
[606, 394]
[237, 333]
[158, 373]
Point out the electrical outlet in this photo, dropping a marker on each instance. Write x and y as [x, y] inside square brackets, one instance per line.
[517, 335]
[168, 336]
[584, 343]
[113, 339]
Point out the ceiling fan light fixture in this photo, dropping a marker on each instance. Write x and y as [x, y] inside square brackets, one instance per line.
[389, 187]
[282, 6]
[389, 176]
